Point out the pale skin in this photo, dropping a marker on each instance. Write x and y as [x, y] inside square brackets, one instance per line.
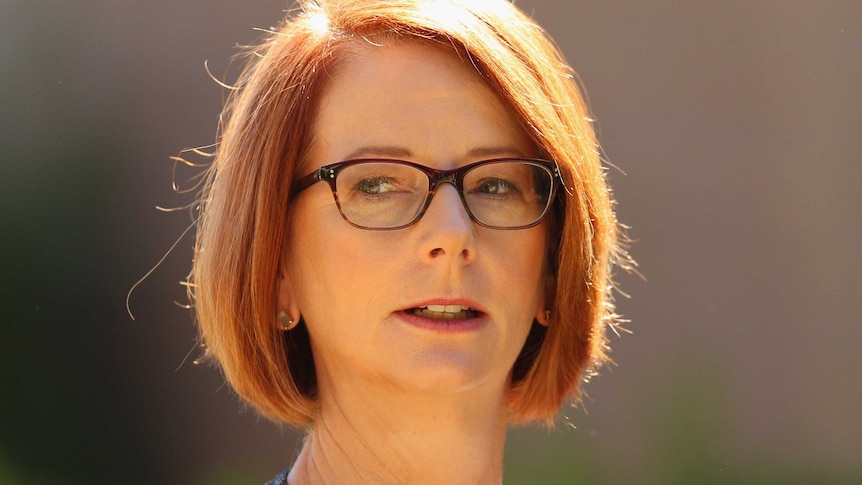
[401, 402]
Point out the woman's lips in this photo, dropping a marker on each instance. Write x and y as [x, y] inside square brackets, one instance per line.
[444, 318]
[444, 312]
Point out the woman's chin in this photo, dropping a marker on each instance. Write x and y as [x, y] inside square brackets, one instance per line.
[444, 357]
[440, 371]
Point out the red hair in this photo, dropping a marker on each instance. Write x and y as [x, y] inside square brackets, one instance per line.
[263, 139]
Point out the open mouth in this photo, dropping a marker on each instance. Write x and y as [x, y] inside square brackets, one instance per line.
[444, 312]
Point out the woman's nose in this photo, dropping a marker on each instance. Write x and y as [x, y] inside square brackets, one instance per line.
[446, 228]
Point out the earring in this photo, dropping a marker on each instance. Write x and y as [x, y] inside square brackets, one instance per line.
[285, 321]
[548, 315]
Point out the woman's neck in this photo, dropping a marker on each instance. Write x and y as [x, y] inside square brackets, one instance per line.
[398, 438]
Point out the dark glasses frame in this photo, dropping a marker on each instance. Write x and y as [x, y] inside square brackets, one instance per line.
[329, 174]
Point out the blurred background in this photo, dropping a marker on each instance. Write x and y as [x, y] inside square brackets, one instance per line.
[734, 126]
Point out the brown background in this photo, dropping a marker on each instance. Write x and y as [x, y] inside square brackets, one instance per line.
[736, 126]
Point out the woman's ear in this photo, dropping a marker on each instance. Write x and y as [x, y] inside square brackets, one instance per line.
[543, 316]
[287, 301]
[546, 303]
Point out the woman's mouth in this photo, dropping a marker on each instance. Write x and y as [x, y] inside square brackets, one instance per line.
[445, 318]
[444, 312]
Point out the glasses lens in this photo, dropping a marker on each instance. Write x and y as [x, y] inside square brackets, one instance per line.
[381, 195]
[508, 194]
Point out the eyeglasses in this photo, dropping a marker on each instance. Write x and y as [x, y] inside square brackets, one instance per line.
[502, 193]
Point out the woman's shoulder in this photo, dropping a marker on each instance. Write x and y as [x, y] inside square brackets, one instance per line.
[281, 479]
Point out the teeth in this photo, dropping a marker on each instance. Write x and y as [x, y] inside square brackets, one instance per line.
[445, 312]
[447, 308]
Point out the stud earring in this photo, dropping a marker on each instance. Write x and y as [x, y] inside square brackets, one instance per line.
[285, 321]
[548, 316]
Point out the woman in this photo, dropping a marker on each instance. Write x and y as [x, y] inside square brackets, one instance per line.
[405, 238]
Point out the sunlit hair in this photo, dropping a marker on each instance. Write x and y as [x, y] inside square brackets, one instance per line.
[265, 136]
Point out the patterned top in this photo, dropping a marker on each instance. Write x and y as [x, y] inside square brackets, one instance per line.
[281, 479]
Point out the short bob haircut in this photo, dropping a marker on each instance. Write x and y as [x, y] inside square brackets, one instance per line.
[264, 137]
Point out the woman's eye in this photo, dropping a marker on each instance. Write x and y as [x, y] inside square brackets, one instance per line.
[377, 185]
[495, 186]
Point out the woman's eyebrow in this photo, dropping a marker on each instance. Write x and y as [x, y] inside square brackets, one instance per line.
[403, 152]
[381, 151]
[496, 152]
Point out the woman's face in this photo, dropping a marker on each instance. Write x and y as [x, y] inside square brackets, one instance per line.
[359, 291]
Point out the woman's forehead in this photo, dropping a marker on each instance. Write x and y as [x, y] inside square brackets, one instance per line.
[415, 96]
